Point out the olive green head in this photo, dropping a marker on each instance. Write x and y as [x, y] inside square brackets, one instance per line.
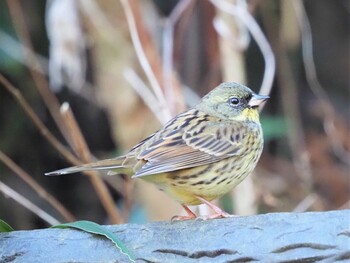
[233, 101]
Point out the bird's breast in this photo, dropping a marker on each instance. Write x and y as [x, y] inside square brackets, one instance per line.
[212, 180]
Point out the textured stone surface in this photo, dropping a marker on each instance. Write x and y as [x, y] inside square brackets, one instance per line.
[278, 237]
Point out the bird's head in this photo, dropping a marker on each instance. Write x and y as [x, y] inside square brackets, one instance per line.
[232, 101]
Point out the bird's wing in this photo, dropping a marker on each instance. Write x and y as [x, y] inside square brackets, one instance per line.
[192, 145]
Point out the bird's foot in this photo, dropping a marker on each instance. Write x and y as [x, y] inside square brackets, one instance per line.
[190, 215]
[218, 212]
[182, 218]
[221, 215]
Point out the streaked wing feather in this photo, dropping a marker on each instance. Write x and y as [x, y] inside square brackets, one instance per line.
[168, 162]
[192, 146]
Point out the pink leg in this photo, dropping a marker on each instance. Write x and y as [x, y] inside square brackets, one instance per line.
[219, 213]
[190, 215]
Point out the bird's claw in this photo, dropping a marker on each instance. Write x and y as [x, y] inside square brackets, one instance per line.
[182, 218]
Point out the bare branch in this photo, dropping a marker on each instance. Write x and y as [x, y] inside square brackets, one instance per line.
[38, 123]
[37, 187]
[288, 89]
[143, 59]
[306, 203]
[27, 204]
[80, 147]
[42, 128]
[168, 49]
[243, 14]
[145, 94]
[98, 19]
[316, 87]
[42, 85]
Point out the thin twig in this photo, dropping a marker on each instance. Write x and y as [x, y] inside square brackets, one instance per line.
[296, 135]
[140, 52]
[40, 126]
[145, 52]
[143, 59]
[243, 14]
[7, 191]
[37, 187]
[143, 91]
[306, 203]
[80, 147]
[344, 206]
[115, 182]
[38, 123]
[168, 50]
[316, 87]
[98, 19]
[232, 65]
[42, 85]
[78, 144]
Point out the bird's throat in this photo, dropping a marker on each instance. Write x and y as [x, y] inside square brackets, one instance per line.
[250, 114]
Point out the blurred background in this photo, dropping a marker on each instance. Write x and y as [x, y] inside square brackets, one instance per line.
[86, 80]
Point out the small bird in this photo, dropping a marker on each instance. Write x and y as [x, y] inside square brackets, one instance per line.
[200, 154]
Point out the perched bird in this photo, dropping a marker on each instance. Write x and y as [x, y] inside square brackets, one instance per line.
[200, 154]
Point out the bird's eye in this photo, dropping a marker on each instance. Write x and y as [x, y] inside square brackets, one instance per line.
[234, 101]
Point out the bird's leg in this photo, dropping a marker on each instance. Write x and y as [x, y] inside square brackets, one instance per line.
[219, 213]
[190, 215]
[189, 212]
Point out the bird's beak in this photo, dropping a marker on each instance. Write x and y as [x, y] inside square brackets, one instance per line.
[256, 100]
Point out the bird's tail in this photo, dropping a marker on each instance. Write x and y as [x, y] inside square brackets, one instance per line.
[107, 164]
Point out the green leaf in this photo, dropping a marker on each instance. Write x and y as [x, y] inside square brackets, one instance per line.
[4, 227]
[97, 229]
[274, 127]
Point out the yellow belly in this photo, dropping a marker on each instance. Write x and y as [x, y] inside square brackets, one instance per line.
[208, 181]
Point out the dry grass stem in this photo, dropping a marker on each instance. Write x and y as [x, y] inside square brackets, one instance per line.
[290, 102]
[42, 128]
[42, 85]
[38, 123]
[249, 21]
[233, 68]
[306, 203]
[38, 188]
[80, 147]
[7, 191]
[145, 94]
[168, 52]
[346, 205]
[98, 19]
[115, 182]
[139, 49]
[78, 144]
[329, 113]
